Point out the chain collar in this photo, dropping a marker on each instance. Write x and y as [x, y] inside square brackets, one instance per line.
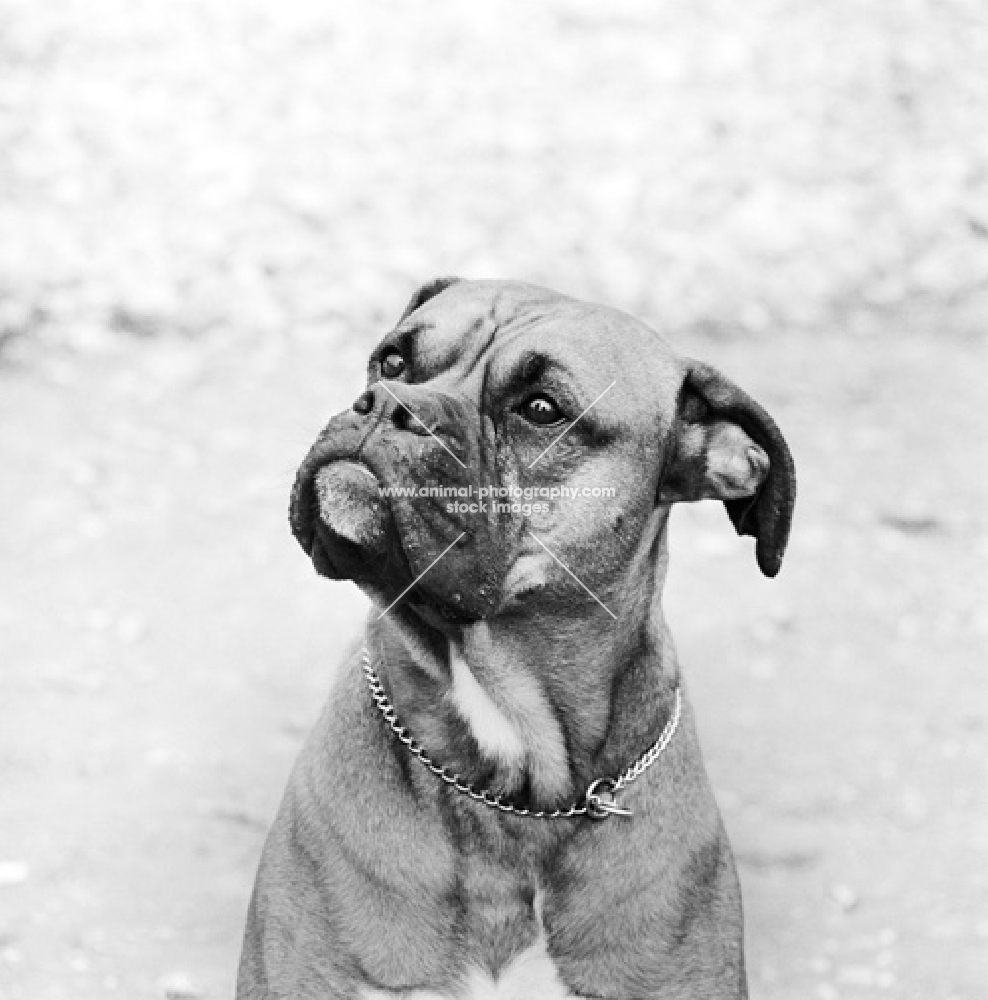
[598, 801]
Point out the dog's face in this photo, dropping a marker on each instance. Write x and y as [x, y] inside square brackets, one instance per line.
[525, 440]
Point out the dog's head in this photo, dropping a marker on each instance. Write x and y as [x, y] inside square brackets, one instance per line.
[514, 445]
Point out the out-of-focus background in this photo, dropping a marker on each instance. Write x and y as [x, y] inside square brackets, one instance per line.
[210, 211]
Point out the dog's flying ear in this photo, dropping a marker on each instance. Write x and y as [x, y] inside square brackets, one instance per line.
[725, 446]
[426, 292]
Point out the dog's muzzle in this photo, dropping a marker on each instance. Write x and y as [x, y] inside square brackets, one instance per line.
[364, 505]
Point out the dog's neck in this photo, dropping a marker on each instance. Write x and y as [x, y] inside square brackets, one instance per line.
[535, 707]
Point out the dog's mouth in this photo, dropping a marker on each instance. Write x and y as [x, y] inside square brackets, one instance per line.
[343, 515]
[348, 503]
[349, 531]
[341, 520]
[357, 513]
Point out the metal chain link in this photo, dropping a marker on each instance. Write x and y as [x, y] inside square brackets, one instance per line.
[592, 804]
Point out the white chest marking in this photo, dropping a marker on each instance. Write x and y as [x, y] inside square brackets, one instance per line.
[493, 731]
[530, 975]
[510, 717]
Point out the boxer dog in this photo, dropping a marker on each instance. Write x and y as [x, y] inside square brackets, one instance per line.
[504, 797]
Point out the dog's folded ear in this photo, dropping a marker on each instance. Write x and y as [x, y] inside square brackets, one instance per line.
[426, 292]
[724, 445]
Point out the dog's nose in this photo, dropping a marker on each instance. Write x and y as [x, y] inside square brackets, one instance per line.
[364, 403]
[392, 408]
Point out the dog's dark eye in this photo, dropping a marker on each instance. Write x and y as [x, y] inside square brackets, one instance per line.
[541, 410]
[392, 365]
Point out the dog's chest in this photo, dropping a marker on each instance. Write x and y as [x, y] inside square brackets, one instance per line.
[530, 974]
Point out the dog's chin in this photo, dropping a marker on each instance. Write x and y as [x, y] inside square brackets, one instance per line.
[351, 533]
[349, 503]
[353, 525]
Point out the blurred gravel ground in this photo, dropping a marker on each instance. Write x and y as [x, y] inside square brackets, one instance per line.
[260, 166]
[209, 212]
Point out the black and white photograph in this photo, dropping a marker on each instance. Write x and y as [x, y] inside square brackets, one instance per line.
[493, 500]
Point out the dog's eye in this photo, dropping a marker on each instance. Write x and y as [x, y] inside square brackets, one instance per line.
[541, 410]
[392, 365]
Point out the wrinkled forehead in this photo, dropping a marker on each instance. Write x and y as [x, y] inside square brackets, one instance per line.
[488, 330]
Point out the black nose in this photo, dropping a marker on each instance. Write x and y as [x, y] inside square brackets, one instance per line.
[364, 403]
[391, 408]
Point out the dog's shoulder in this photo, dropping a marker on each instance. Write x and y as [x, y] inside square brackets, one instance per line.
[351, 865]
